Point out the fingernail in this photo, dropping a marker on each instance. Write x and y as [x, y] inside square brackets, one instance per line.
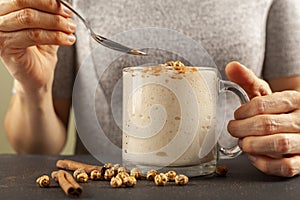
[67, 11]
[71, 38]
[252, 158]
[72, 26]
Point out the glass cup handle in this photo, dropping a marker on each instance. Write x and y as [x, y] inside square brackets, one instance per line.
[228, 86]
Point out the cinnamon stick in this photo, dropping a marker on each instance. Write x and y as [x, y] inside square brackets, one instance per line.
[73, 165]
[67, 183]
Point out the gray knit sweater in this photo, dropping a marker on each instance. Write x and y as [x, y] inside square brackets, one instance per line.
[264, 35]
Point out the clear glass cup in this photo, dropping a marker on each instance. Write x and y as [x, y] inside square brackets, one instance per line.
[170, 118]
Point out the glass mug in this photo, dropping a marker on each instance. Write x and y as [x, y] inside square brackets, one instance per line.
[170, 119]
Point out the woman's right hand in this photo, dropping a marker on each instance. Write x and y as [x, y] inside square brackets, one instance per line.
[30, 33]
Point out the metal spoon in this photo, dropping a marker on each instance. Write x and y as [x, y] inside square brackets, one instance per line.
[102, 40]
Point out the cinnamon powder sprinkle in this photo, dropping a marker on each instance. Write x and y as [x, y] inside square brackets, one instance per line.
[179, 67]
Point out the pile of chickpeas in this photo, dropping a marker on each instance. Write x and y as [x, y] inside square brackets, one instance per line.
[119, 176]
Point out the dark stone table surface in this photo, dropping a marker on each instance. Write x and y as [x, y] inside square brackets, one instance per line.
[19, 172]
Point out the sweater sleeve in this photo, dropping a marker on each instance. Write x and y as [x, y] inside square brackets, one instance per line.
[282, 56]
[64, 73]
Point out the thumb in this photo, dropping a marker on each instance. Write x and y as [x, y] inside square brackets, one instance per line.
[245, 78]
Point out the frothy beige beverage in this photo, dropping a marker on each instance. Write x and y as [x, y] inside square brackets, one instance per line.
[169, 118]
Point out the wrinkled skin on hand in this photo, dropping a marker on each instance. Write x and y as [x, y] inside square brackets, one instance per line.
[30, 32]
[268, 127]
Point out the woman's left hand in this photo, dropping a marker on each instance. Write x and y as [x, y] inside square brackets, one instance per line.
[268, 126]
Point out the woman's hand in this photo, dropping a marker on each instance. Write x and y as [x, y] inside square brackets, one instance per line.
[30, 32]
[268, 126]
